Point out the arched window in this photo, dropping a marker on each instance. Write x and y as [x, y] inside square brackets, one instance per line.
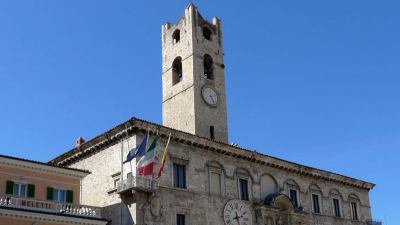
[177, 70]
[316, 199]
[354, 206]
[207, 33]
[336, 199]
[208, 67]
[176, 36]
[268, 185]
[293, 191]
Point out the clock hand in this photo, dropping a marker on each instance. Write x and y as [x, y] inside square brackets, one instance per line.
[237, 218]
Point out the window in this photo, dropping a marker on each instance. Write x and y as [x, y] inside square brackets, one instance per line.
[116, 181]
[20, 190]
[177, 71]
[176, 36]
[215, 183]
[354, 213]
[59, 195]
[207, 33]
[179, 176]
[315, 203]
[180, 219]
[212, 135]
[208, 64]
[244, 189]
[293, 197]
[336, 207]
[129, 175]
[54, 194]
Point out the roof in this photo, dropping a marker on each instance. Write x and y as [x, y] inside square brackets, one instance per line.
[44, 164]
[135, 125]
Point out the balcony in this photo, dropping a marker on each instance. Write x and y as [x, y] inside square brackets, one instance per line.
[137, 184]
[50, 207]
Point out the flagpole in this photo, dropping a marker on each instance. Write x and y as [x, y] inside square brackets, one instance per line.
[127, 142]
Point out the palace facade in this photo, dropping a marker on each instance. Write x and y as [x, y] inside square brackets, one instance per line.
[206, 180]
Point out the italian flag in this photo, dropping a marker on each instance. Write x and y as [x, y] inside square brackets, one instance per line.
[146, 163]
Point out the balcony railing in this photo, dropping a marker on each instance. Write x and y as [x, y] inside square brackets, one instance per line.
[49, 206]
[371, 222]
[137, 183]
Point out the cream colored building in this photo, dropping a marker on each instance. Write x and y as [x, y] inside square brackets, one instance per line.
[34, 193]
[206, 180]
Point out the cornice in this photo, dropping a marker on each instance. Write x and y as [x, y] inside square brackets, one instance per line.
[135, 125]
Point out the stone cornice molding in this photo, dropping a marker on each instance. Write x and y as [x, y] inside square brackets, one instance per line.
[135, 125]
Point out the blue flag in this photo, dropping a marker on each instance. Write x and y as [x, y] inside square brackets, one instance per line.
[139, 151]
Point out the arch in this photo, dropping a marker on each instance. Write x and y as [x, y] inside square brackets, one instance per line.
[268, 185]
[280, 201]
[207, 33]
[215, 164]
[177, 70]
[208, 65]
[244, 171]
[290, 182]
[176, 36]
[314, 187]
[335, 192]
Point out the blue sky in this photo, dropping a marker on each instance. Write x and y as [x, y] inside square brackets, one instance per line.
[314, 82]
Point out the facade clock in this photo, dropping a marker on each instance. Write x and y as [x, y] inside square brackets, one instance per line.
[237, 212]
[210, 96]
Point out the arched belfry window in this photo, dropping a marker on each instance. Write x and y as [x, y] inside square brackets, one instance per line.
[207, 33]
[208, 67]
[176, 36]
[177, 70]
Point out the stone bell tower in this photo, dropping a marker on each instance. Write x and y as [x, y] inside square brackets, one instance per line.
[193, 80]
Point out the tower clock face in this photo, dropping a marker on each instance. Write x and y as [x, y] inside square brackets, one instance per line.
[237, 212]
[210, 96]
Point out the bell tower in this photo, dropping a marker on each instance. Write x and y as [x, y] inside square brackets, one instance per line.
[193, 82]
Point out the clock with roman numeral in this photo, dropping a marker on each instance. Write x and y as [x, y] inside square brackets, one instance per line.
[237, 212]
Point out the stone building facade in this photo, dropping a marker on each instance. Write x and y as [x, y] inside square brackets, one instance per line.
[206, 180]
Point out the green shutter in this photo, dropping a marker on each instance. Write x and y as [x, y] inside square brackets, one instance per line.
[70, 196]
[9, 187]
[50, 193]
[31, 191]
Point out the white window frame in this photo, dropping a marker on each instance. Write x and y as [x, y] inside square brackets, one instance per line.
[19, 189]
[340, 207]
[357, 210]
[319, 202]
[294, 188]
[59, 190]
[249, 184]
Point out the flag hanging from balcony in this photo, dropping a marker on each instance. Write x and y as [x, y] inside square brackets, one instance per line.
[164, 158]
[145, 166]
[138, 151]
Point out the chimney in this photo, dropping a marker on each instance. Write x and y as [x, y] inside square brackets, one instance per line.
[79, 141]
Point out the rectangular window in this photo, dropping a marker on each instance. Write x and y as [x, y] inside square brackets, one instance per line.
[354, 213]
[293, 197]
[215, 183]
[212, 135]
[336, 207]
[129, 175]
[180, 219]
[59, 195]
[315, 203]
[244, 189]
[116, 180]
[179, 176]
[20, 190]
